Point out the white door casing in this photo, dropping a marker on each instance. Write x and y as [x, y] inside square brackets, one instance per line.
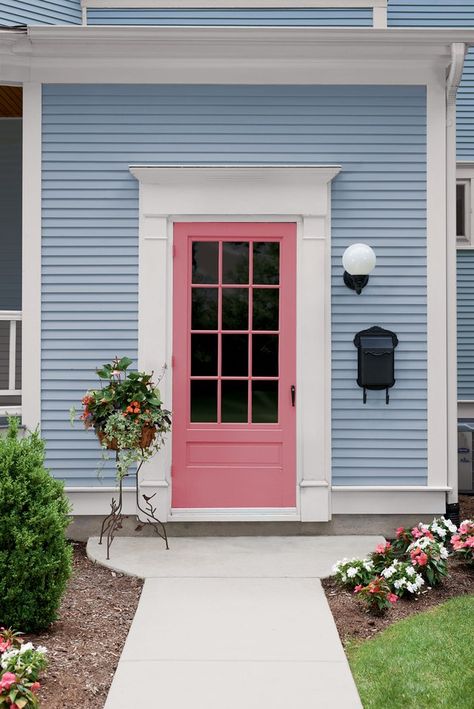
[296, 193]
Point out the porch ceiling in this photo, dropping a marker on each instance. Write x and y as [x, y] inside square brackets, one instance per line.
[11, 101]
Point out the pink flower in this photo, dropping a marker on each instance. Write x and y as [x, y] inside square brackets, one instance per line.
[417, 533]
[7, 680]
[35, 686]
[464, 528]
[400, 532]
[469, 542]
[382, 548]
[358, 588]
[419, 557]
[392, 598]
[5, 645]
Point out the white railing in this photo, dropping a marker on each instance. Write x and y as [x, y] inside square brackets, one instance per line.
[13, 317]
[379, 7]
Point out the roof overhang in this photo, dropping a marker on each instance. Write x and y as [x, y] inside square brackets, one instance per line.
[63, 53]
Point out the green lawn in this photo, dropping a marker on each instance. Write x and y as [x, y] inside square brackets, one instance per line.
[426, 660]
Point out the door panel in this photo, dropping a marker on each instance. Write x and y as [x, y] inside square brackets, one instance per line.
[234, 362]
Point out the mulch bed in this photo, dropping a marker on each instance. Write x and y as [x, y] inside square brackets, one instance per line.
[85, 644]
[355, 623]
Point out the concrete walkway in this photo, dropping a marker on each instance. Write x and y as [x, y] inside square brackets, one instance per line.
[232, 623]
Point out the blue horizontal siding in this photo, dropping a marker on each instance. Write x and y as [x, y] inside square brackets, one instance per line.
[40, 12]
[445, 13]
[465, 111]
[431, 13]
[331, 17]
[465, 284]
[91, 134]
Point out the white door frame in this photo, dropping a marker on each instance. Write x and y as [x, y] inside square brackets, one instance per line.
[296, 193]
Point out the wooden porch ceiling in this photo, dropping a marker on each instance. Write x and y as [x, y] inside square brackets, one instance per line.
[11, 101]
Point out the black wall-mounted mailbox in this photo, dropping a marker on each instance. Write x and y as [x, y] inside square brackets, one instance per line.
[376, 359]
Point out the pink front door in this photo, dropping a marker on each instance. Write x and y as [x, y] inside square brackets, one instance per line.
[234, 365]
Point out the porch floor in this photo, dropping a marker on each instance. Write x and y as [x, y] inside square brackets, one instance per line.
[232, 622]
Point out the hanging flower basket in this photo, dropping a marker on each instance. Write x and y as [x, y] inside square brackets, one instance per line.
[146, 439]
[126, 413]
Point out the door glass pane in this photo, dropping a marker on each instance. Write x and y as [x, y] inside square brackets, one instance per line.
[235, 307]
[235, 355]
[203, 355]
[265, 355]
[204, 309]
[235, 262]
[266, 262]
[234, 404]
[204, 401]
[265, 309]
[205, 261]
[264, 402]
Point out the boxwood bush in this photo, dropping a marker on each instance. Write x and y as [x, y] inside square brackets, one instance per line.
[35, 557]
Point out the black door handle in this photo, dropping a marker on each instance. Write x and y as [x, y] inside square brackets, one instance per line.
[293, 394]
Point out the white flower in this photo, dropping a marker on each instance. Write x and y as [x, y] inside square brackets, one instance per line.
[389, 571]
[443, 552]
[25, 647]
[351, 572]
[410, 571]
[398, 583]
[41, 648]
[450, 525]
[368, 564]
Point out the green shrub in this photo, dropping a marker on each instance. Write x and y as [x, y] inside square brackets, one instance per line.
[35, 557]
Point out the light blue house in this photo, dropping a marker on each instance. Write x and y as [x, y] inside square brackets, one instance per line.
[150, 124]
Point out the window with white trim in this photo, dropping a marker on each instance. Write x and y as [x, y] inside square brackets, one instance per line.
[464, 205]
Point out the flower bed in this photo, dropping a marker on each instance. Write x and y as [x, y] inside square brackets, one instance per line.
[21, 664]
[415, 560]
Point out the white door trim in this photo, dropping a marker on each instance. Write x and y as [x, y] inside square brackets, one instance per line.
[297, 193]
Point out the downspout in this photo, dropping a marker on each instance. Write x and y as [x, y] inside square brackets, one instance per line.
[458, 52]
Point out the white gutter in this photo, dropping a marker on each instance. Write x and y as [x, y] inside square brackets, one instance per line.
[458, 53]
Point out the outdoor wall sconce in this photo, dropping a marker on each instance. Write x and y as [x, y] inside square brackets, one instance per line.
[376, 359]
[358, 261]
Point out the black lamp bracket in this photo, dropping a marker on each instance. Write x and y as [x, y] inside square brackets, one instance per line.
[356, 283]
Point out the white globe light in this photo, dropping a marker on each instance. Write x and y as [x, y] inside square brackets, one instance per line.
[359, 260]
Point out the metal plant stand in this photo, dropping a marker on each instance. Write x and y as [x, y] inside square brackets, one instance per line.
[114, 519]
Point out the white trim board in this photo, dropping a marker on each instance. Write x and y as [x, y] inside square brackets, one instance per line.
[347, 500]
[232, 4]
[378, 7]
[296, 193]
[376, 501]
[31, 257]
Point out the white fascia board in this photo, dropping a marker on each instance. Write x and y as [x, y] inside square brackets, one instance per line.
[231, 4]
[254, 55]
